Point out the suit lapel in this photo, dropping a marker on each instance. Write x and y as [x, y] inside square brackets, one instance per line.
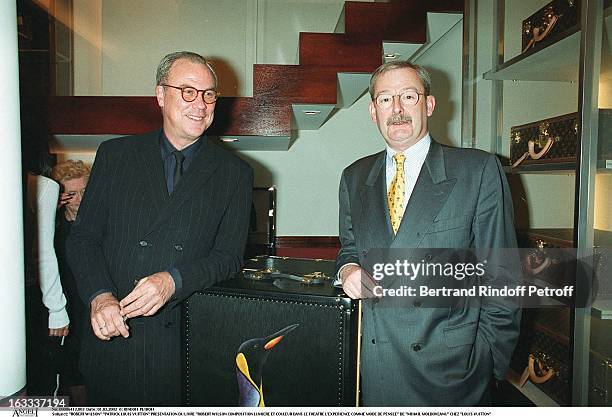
[148, 155]
[374, 201]
[201, 169]
[428, 197]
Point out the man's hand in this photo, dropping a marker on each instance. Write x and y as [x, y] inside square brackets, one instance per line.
[150, 294]
[62, 331]
[357, 283]
[106, 318]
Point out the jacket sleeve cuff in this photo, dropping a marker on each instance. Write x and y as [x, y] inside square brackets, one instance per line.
[178, 280]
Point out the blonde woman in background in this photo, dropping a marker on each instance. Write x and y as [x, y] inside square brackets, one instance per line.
[72, 176]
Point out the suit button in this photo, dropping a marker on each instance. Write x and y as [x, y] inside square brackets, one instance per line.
[178, 248]
[168, 324]
[143, 243]
[416, 347]
[373, 341]
[428, 257]
[417, 304]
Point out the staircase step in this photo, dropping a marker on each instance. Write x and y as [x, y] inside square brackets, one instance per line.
[401, 21]
[351, 86]
[86, 115]
[339, 49]
[300, 84]
[438, 24]
[244, 116]
[444, 6]
[234, 116]
[310, 116]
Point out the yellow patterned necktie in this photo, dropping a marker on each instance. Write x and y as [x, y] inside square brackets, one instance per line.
[397, 193]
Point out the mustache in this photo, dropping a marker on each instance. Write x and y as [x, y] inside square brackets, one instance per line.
[399, 118]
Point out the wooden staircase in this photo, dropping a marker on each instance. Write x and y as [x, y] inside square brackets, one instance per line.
[333, 71]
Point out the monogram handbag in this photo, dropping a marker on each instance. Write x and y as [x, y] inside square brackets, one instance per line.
[550, 23]
[556, 140]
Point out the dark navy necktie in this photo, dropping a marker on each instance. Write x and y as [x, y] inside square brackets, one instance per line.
[178, 168]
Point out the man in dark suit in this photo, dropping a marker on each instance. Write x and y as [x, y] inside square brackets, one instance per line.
[165, 214]
[419, 194]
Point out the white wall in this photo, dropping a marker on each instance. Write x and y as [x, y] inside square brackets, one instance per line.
[118, 43]
[281, 21]
[138, 33]
[87, 28]
[444, 63]
[12, 299]
[307, 176]
[482, 64]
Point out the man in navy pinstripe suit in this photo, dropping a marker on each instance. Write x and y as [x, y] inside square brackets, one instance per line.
[164, 215]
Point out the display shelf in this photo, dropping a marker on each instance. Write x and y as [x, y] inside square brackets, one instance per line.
[603, 167]
[544, 168]
[563, 237]
[553, 60]
[556, 61]
[531, 391]
[570, 57]
[602, 309]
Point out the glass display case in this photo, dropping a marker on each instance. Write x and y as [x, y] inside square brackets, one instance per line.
[552, 97]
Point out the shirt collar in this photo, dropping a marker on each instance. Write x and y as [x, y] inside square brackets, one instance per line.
[417, 151]
[167, 148]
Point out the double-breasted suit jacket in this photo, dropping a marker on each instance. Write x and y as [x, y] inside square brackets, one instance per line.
[417, 356]
[129, 227]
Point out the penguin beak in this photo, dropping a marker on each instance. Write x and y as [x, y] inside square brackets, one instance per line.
[275, 338]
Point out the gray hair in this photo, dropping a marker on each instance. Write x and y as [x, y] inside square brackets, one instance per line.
[422, 73]
[165, 64]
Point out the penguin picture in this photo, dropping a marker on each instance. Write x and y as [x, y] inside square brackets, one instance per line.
[250, 361]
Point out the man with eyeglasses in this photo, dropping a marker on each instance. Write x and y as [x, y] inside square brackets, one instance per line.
[416, 196]
[165, 214]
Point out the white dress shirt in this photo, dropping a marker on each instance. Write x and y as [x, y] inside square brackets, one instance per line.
[415, 158]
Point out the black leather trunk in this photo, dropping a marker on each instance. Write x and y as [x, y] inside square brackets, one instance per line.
[313, 365]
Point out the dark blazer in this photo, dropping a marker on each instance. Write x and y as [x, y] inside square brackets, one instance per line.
[417, 356]
[128, 227]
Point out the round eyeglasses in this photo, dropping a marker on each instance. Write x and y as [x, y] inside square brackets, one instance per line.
[189, 94]
[407, 99]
